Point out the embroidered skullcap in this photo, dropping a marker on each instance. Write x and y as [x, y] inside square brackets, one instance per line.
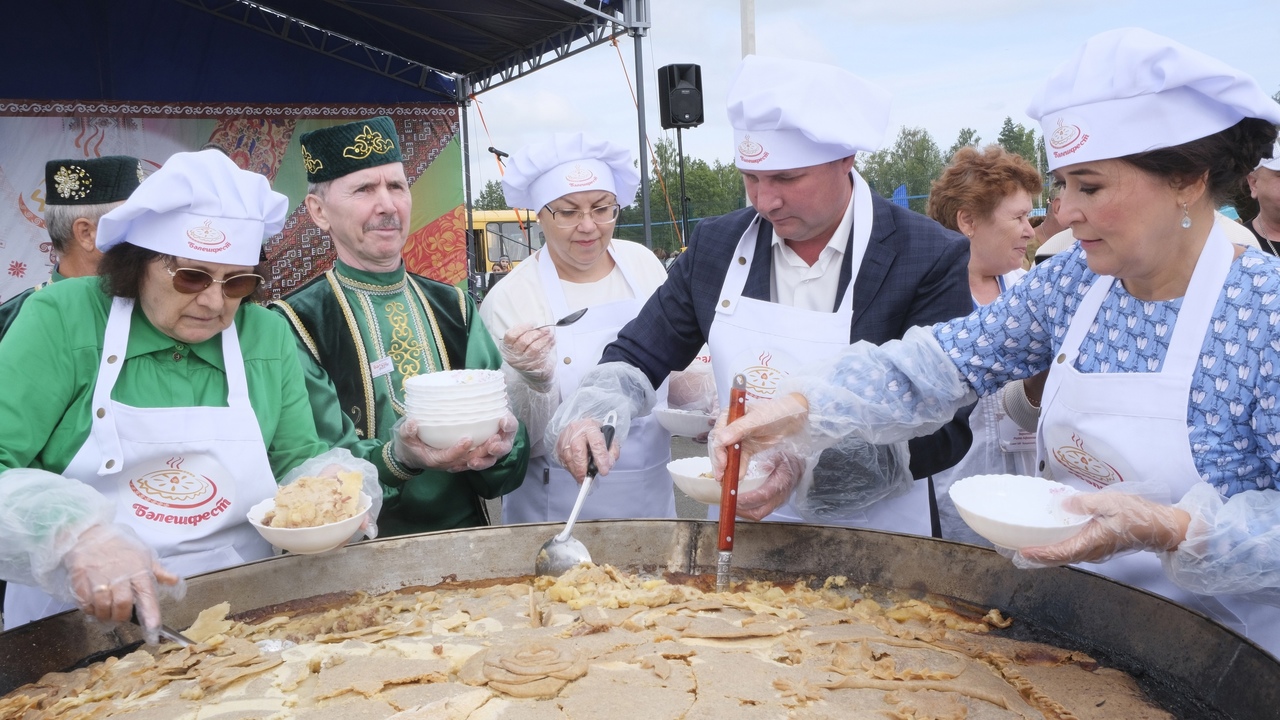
[1274, 162]
[568, 163]
[198, 206]
[793, 113]
[332, 152]
[91, 182]
[1129, 91]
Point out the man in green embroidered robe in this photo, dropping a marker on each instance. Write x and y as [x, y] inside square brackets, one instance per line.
[366, 325]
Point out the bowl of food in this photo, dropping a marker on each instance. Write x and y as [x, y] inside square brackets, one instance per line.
[312, 514]
[684, 423]
[1016, 511]
[694, 477]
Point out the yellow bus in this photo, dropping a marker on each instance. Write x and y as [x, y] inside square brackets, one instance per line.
[496, 235]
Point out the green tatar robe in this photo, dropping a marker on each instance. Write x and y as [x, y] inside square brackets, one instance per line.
[348, 324]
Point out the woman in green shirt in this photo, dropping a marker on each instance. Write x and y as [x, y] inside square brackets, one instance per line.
[143, 416]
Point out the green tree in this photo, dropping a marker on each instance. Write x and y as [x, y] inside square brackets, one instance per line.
[967, 137]
[491, 197]
[712, 188]
[914, 160]
[1019, 140]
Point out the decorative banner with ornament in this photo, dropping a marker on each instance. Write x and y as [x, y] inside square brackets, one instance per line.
[262, 138]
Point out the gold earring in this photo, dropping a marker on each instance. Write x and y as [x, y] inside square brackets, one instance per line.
[1186, 218]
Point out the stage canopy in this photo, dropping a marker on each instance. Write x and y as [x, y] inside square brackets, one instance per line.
[289, 51]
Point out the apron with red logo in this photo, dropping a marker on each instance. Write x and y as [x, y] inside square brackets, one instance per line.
[1098, 429]
[766, 341]
[182, 478]
[639, 485]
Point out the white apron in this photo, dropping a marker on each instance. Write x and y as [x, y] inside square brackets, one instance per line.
[1097, 429]
[638, 485]
[766, 340]
[182, 478]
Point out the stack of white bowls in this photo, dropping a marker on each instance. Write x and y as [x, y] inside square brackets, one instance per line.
[455, 404]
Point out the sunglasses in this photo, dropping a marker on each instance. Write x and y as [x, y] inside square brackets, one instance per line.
[190, 281]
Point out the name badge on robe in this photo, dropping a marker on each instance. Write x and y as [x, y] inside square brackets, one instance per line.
[378, 368]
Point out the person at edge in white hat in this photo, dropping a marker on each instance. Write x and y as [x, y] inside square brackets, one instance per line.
[1160, 337]
[1264, 186]
[145, 411]
[817, 262]
[576, 182]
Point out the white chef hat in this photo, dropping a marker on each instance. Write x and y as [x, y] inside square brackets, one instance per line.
[198, 206]
[1130, 90]
[568, 163]
[1274, 162]
[792, 113]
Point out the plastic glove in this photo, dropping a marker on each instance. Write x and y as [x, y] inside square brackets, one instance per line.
[530, 352]
[329, 464]
[883, 393]
[572, 445]
[766, 423]
[496, 447]
[852, 476]
[409, 450]
[618, 388]
[1121, 522]
[784, 472]
[111, 571]
[693, 390]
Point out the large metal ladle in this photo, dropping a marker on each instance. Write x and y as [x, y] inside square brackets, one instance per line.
[564, 552]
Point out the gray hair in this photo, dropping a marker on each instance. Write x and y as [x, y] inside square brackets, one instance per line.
[320, 189]
[59, 220]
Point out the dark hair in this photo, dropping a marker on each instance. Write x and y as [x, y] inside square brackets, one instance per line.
[123, 267]
[1223, 158]
[977, 180]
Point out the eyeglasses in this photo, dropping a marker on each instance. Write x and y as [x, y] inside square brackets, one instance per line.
[573, 217]
[190, 281]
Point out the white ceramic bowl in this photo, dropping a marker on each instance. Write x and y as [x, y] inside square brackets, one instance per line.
[688, 476]
[469, 406]
[447, 380]
[448, 435]
[307, 541]
[1016, 511]
[684, 423]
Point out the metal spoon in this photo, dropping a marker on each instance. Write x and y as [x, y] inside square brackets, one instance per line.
[563, 552]
[569, 319]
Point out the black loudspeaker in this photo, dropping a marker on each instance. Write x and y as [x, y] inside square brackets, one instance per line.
[680, 96]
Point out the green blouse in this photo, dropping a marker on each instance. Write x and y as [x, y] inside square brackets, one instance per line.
[49, 366]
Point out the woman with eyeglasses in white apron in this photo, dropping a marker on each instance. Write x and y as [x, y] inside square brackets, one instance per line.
[1161, 338]
[576, 181]
[145, 415]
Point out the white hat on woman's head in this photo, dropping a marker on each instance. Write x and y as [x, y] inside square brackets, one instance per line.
[790, 114]
[1274, 162]
[198, 206]
[568, 163]
[1129, 91]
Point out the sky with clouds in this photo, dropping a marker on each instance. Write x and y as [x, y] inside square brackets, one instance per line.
[949, 64]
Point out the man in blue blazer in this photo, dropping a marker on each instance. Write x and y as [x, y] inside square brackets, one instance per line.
[767, 288]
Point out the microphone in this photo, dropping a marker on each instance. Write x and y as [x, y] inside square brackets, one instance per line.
[498, 152]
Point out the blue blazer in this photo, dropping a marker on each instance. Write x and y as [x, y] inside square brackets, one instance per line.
[914, 272]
